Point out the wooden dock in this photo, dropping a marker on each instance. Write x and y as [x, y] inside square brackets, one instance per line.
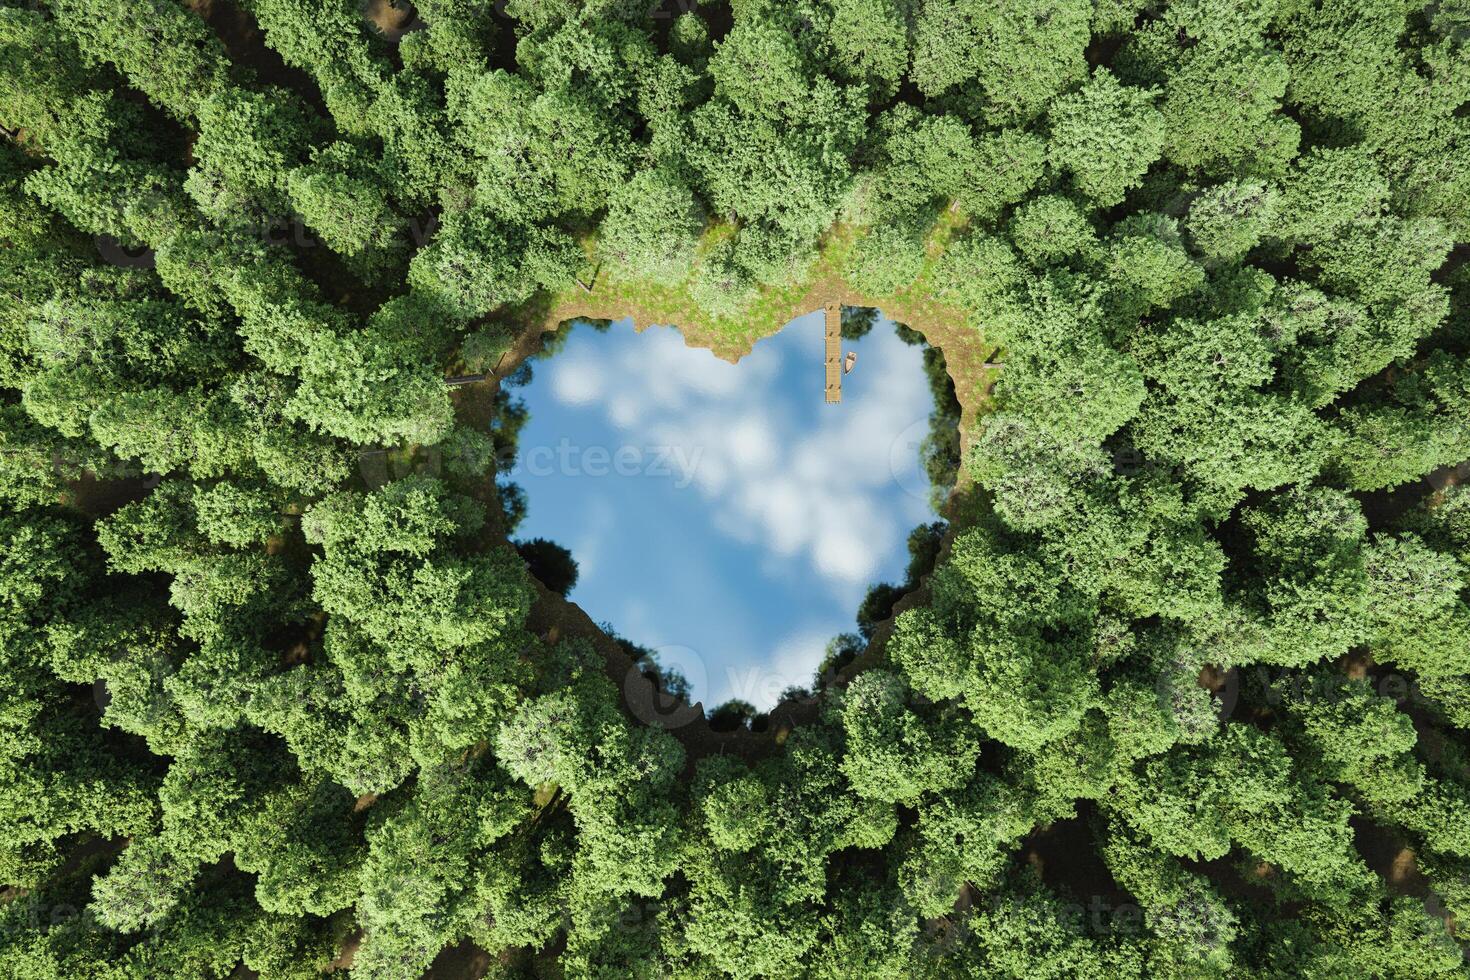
[834, 352]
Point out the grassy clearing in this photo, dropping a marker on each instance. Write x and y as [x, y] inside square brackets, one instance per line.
[821, 281]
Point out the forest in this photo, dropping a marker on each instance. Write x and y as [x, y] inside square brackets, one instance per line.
[1180, 688]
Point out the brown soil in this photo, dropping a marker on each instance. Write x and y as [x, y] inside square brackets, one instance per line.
[390, 18]
[464, 961]
[98, 498]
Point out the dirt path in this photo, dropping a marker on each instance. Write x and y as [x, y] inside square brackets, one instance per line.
[834, 353]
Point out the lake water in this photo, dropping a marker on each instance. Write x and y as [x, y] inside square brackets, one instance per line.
[724, 514]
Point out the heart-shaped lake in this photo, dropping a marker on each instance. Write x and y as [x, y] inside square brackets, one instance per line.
[726, 515]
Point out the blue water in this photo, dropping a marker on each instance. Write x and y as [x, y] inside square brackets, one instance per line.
[724, 514]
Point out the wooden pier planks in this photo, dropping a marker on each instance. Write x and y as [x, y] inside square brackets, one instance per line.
[834, 352]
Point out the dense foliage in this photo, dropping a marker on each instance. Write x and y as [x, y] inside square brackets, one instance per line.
[1185, 695]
